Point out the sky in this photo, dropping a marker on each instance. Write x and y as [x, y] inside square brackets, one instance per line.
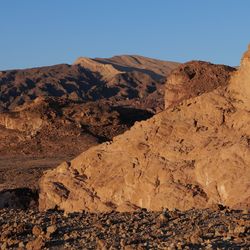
[46, 32]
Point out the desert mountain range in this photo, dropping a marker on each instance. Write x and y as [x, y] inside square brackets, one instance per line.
[51, 114]
[77, 103]
[195, 153]
[121, 78]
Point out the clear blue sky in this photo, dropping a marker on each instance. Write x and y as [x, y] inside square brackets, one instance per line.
[35, 33]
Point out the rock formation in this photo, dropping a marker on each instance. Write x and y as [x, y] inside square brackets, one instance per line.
[194, 154]
[241, 94]
[193, 79]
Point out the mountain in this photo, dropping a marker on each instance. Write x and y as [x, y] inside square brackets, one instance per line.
[88, 80]
[193, 154]
[127, 63]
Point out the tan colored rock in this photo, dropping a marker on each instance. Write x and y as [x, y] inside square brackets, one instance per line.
[36, 244]
[23, 122]
[105, 70]
[240, 87]
[127, 63]
[37, 231]
[192, 155]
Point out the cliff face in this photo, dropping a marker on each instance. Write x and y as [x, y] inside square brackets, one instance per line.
[194, 154]
[240, 83]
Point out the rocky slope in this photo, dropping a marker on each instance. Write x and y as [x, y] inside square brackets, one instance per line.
[194, 154]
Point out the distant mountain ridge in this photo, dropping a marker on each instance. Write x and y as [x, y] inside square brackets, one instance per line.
[127, 63]
[118, 79]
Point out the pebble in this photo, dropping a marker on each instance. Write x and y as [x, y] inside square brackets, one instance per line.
[51, 229]
[36, 230]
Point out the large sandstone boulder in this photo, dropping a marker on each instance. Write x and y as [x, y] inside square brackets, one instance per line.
[191, 155]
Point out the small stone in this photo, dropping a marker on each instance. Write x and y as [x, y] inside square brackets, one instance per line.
[239, 229]
[36, 230]
[101, 244]
[66, 237]
[227, 238]
[4, 246]
[53, 219]
[36, 244]
[51, 229]
[209, 246]
[162, 220]
[5, 234]
[194, 239]
[21, 244]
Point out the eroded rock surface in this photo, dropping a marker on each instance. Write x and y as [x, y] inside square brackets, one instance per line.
[192, 155]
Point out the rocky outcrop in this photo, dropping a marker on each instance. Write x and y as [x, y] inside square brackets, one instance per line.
[193, 79]
[194, 154]
[240, 87]
[23, 122]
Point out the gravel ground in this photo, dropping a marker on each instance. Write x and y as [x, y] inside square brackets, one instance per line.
[194, 229]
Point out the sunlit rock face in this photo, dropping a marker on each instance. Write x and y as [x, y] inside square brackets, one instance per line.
[240, 83]
[194, 154]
